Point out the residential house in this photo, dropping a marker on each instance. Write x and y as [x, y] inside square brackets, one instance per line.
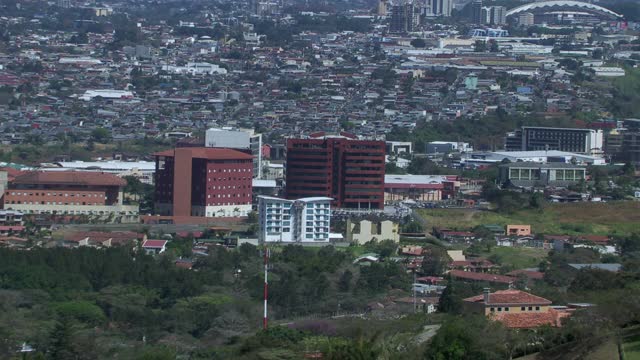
[518, 230]
[367, 259]
[154, 247]
[523, 241]
[515, 309]
[13, 242]
[411, 250]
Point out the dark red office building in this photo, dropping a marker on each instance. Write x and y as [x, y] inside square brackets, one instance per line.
[200, 181]
[348, 170]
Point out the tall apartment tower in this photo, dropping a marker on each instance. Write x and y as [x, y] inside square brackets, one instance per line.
[439, 7]
[349, 171]
[382, 7]
[476, 12]
[404, 18]
[498, 15]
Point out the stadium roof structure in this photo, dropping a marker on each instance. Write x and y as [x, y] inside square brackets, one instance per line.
[554, 5]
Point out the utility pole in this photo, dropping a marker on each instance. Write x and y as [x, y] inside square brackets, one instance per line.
[266, 286]
[414, 290]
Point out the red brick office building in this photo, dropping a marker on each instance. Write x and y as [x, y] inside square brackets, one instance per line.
[348, 170]
[203, 182]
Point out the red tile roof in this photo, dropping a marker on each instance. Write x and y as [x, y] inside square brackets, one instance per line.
[527, 320]
[534, 275]
[598, 239]
[474, 276]
[69, 178]
[210, 153]
[184, 264]
[430, 279]
[154, 244]
[510, 297]
[11, 228]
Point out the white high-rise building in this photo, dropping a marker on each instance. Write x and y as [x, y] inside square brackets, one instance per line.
[498, 15]
[294, 221]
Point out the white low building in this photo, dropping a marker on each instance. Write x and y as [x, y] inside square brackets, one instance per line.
[294, 221]
[80, 60]
[106, 94]
[608, 71]
[196, 68]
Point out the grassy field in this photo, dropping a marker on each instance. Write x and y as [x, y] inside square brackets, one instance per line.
[517, 258]
[606, 351]
[615, 218]
[631, 347]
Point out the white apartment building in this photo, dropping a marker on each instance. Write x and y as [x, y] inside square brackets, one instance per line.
[294, 221]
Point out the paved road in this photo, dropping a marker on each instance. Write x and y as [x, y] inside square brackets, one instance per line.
[427, 333]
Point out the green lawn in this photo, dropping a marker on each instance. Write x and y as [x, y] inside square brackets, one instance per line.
[631, 347]
[517, 258]
[615, 218]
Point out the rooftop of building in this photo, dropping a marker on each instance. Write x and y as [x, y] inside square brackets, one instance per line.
[69, 178]
[540, 153]
[107, 165]
[262, 183]
[209, 153]
[307, 199]
[557, 128]
[154, 244]
[473, 276]
[509, 297]
[117, 237]
[532, 165]
[528, 320]
[417, 179]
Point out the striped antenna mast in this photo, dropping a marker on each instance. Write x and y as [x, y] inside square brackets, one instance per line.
[266, 286]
